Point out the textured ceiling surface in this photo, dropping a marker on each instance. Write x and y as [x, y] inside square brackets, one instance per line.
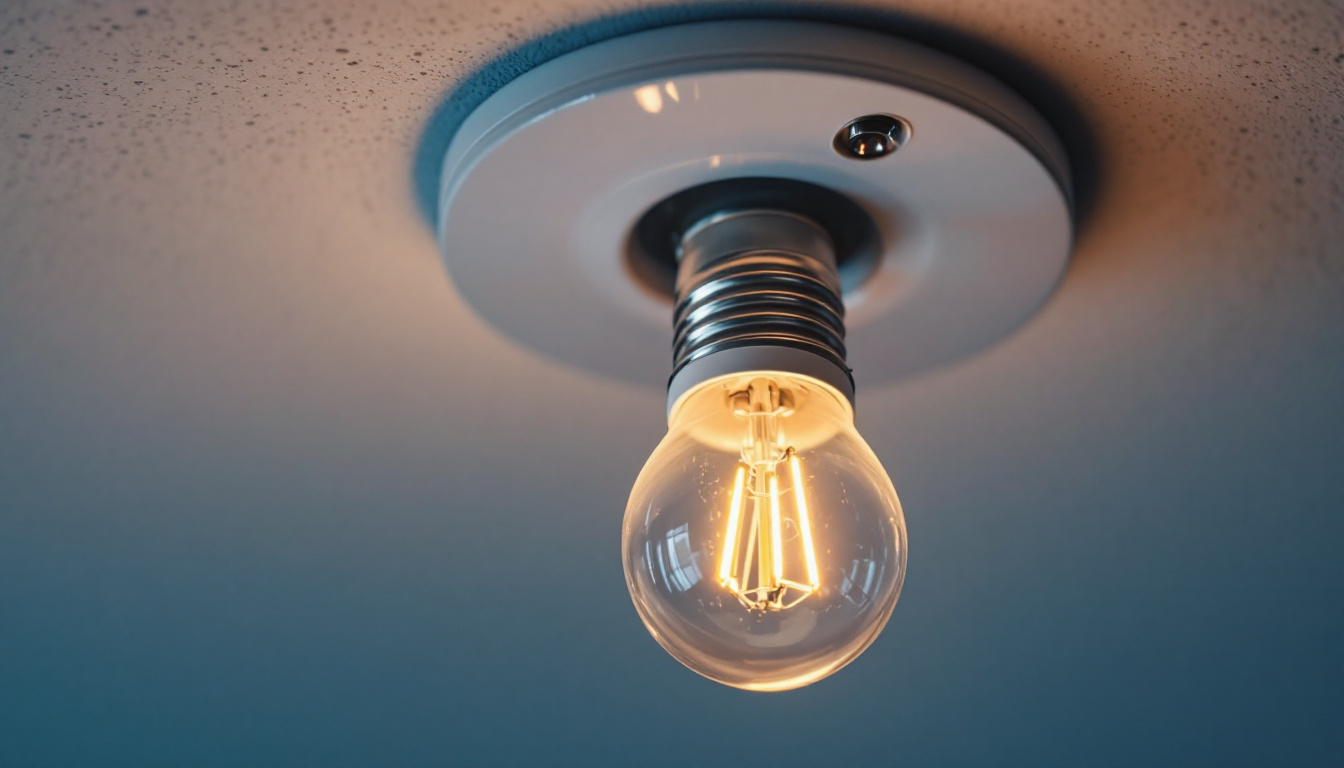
[271, 494]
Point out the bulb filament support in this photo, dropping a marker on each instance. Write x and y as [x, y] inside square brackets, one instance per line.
[769, 561]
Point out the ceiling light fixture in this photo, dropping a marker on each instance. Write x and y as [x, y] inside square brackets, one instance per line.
[791, 196]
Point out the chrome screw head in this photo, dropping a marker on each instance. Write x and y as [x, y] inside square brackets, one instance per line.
[871, 137]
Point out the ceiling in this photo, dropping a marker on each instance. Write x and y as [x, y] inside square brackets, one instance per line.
[270, 493]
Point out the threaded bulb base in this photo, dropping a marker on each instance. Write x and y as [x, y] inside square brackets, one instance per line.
[763, 284]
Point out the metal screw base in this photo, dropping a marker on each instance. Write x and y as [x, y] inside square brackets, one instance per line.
[758, 288]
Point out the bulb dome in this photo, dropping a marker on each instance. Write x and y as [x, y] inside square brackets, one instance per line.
[764, 545]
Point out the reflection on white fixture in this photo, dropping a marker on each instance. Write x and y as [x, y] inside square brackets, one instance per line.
[795, 197]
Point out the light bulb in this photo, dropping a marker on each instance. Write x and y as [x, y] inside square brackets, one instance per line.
[764, 545]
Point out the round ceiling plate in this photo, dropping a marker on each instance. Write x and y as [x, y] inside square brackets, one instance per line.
[544, 183]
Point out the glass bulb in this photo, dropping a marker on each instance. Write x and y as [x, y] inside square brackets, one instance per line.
[764, 545]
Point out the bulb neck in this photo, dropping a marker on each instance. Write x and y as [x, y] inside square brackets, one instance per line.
[757, 290]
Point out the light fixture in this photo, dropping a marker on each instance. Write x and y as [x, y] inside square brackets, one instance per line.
[786, 197]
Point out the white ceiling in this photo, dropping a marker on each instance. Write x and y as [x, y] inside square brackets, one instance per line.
[269, 492]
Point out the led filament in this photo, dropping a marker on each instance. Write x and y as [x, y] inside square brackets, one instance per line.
[763, 570]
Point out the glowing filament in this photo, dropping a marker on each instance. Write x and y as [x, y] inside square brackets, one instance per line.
[730, 538]
[776, 535]
[763, 552]
[804, 525]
